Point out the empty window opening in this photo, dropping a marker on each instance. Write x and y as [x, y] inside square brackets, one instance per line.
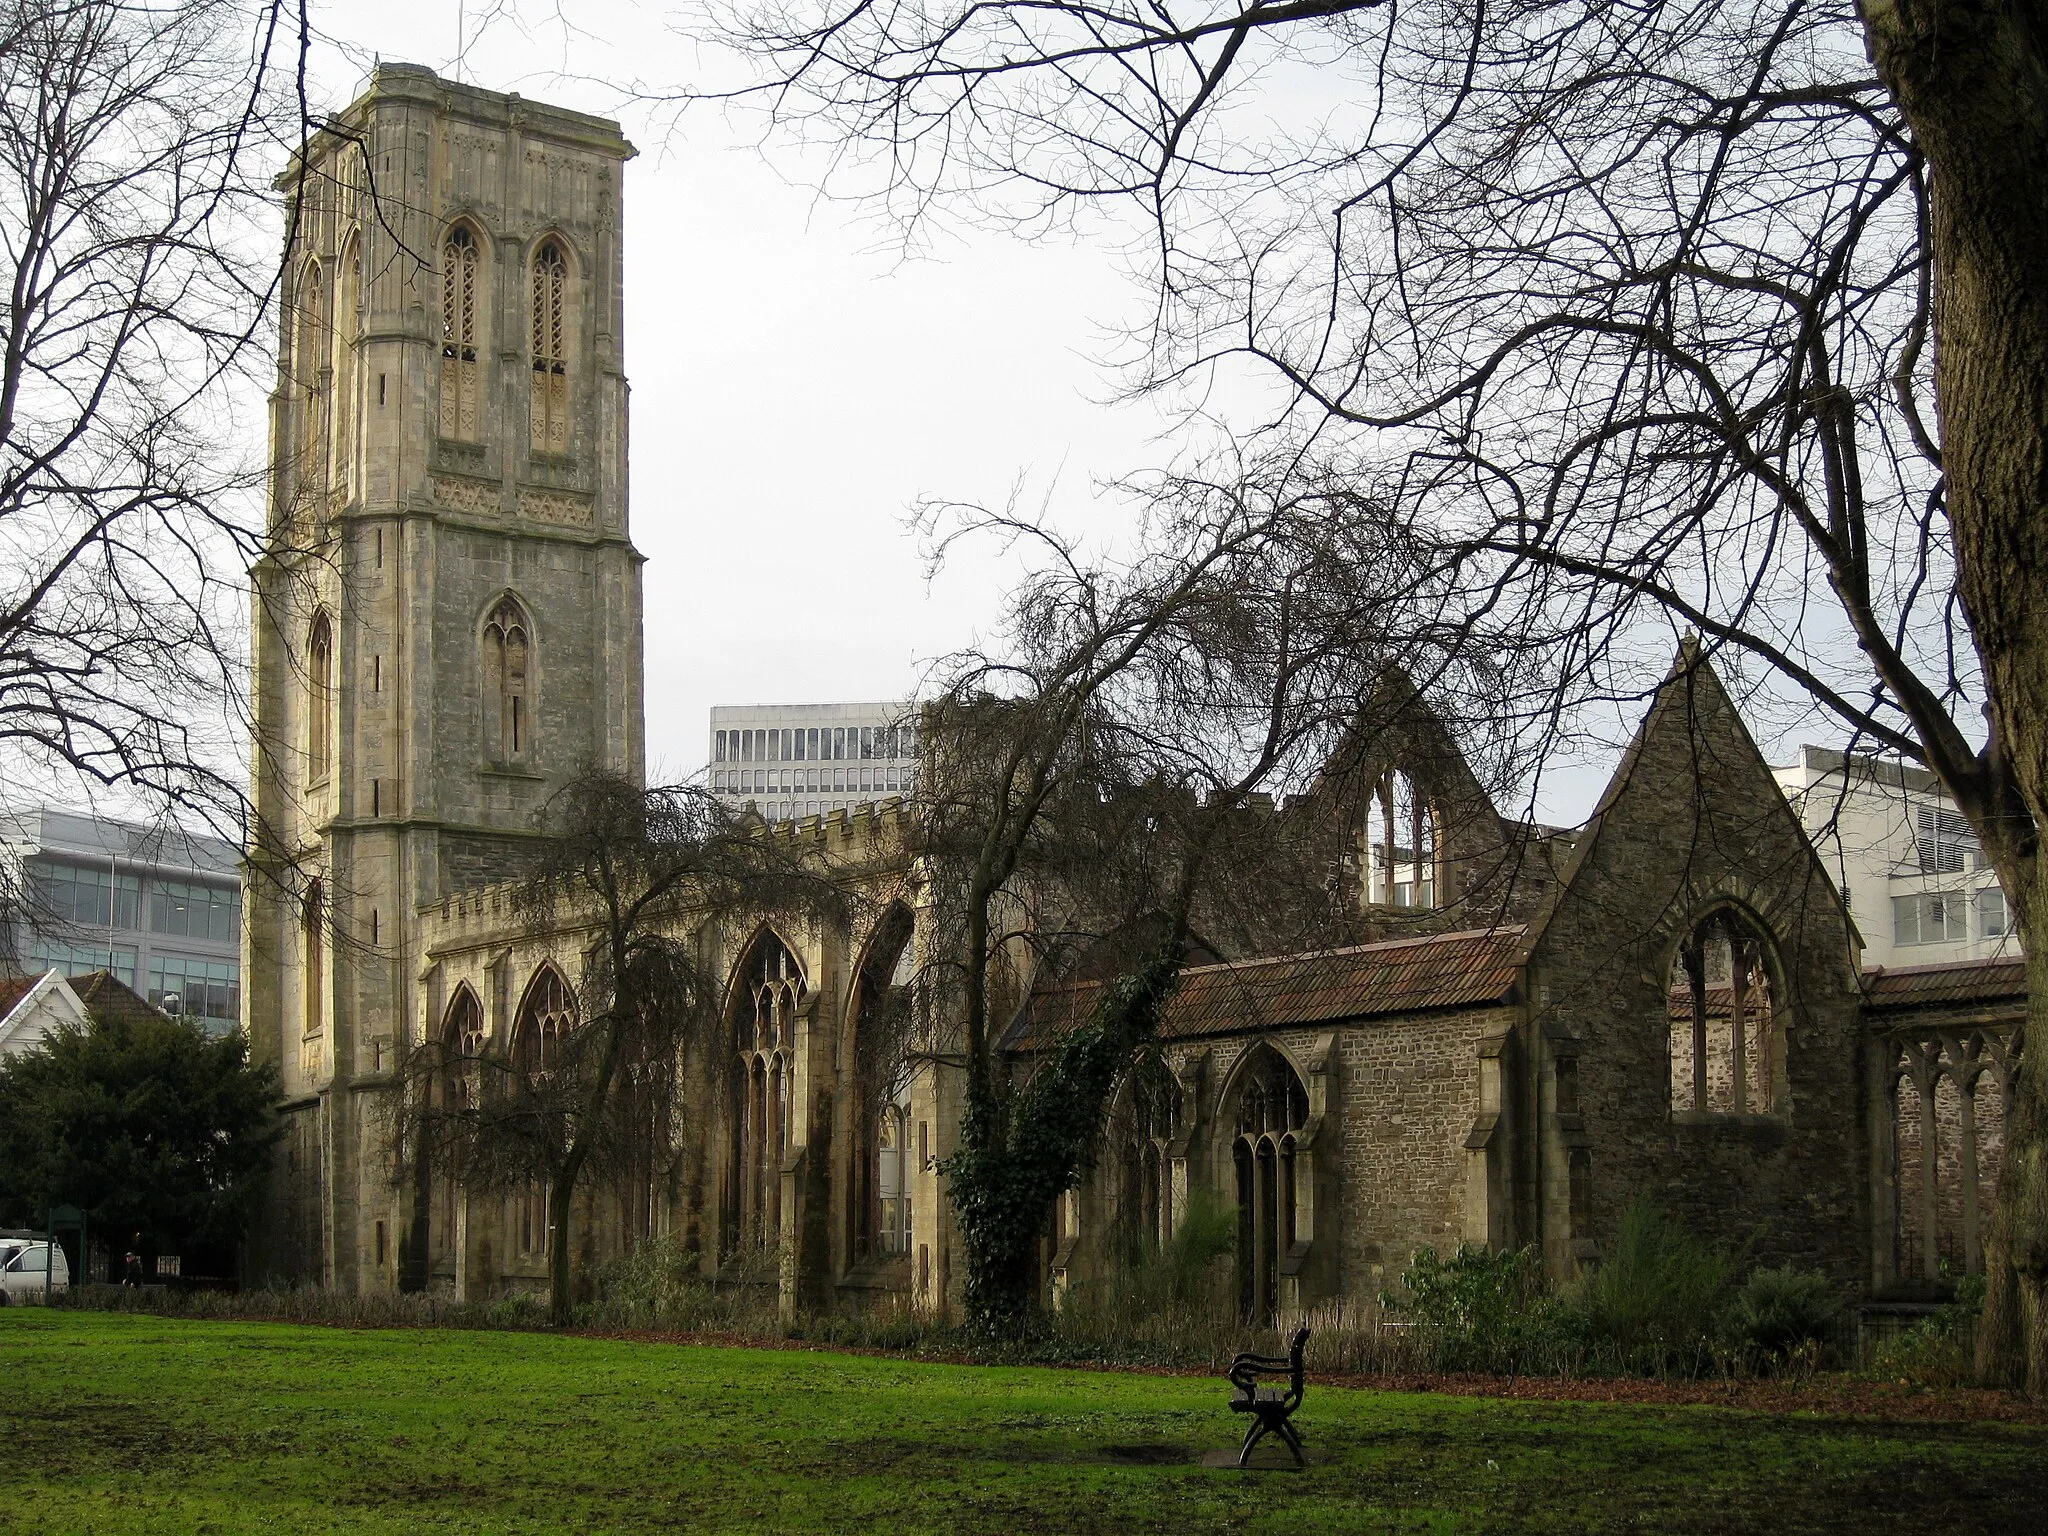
[880, 1207]
[1402, 863]
[1726, 1046]
[767, 1003]
[508, 657]
[1270, 1113]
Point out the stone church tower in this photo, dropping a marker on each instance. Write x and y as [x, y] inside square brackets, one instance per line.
[448, 620]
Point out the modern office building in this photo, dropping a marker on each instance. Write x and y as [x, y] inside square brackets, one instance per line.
[1912, 871]
[159, 909]
[792, 760]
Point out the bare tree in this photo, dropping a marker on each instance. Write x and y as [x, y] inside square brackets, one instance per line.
[593, 1094]
[1087, 797]
[1731, 313]
[135, 214]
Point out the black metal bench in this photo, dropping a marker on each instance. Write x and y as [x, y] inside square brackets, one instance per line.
[1270, 1407]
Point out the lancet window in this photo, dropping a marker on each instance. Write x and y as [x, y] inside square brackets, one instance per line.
[547, 1015]
[1726, 1051]
[881, 1166]
[461, 277]
[550, 410]
[309, 362]
[348, 330]
[766, 1005]
[313, 945]
[462, 1043]
[1142, 1126]
[1403, 863]
[319, 698]
[508, 677]
[1269, 1114]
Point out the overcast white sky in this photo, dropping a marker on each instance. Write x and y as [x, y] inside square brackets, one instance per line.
[797, 385]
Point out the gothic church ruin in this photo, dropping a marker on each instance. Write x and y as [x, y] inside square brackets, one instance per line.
[1539, 1026]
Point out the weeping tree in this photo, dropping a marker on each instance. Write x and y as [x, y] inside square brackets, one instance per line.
[592, 1094]
[1088, 793]
[1726, 316]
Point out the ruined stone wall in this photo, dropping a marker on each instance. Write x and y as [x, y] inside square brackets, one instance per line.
[1695, 823]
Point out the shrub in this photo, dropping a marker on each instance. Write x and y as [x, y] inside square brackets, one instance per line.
[1650, 1308]
[1477, 1311]
[1939, 1350]
[1779, 1317]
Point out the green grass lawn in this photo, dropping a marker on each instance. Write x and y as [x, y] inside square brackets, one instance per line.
[112, 1423]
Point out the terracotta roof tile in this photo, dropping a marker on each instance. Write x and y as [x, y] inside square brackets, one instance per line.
[1955, 982]
[12, 990]
[1447, 970]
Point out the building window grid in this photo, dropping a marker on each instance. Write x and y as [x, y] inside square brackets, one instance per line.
[81, 959]
[186, 910]
[1946, 917]
[209, 989]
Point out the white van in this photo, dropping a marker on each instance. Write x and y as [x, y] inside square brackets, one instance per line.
[23, 1276]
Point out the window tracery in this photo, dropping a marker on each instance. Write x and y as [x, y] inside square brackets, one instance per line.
[550, 348]
[547, 1015]
[462, 1042]
[1403, 864]
[348, 330]
[1726, 1054]
[309, 362]
[1142, 1127]
[880, 1169]
[461, 274]
[1270, 1112]
[508, 659]
[766, 1006]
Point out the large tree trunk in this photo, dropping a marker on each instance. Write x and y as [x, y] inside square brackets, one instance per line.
[1971, 77]
[561, 1192]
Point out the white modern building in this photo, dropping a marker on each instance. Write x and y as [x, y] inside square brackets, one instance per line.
[791, 760]
[159, 909]
[1905, 858]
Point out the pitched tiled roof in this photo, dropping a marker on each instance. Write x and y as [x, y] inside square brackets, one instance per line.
[1448, 970]
[107, 997]
[12, 990]
[1958, 982]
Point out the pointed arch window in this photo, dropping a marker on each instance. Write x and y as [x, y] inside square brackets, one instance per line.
[766, 1004]
[508, 683]
[547, 1015]
[310, 361]
[1727, 1051]
[348, 331]
[319, 699]
[1403, 856]
[1142, 1124]
[1270, 1113]
[313, 945]
[550, 418]
[880, 1169]
[461, 276]
[462, 1043]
